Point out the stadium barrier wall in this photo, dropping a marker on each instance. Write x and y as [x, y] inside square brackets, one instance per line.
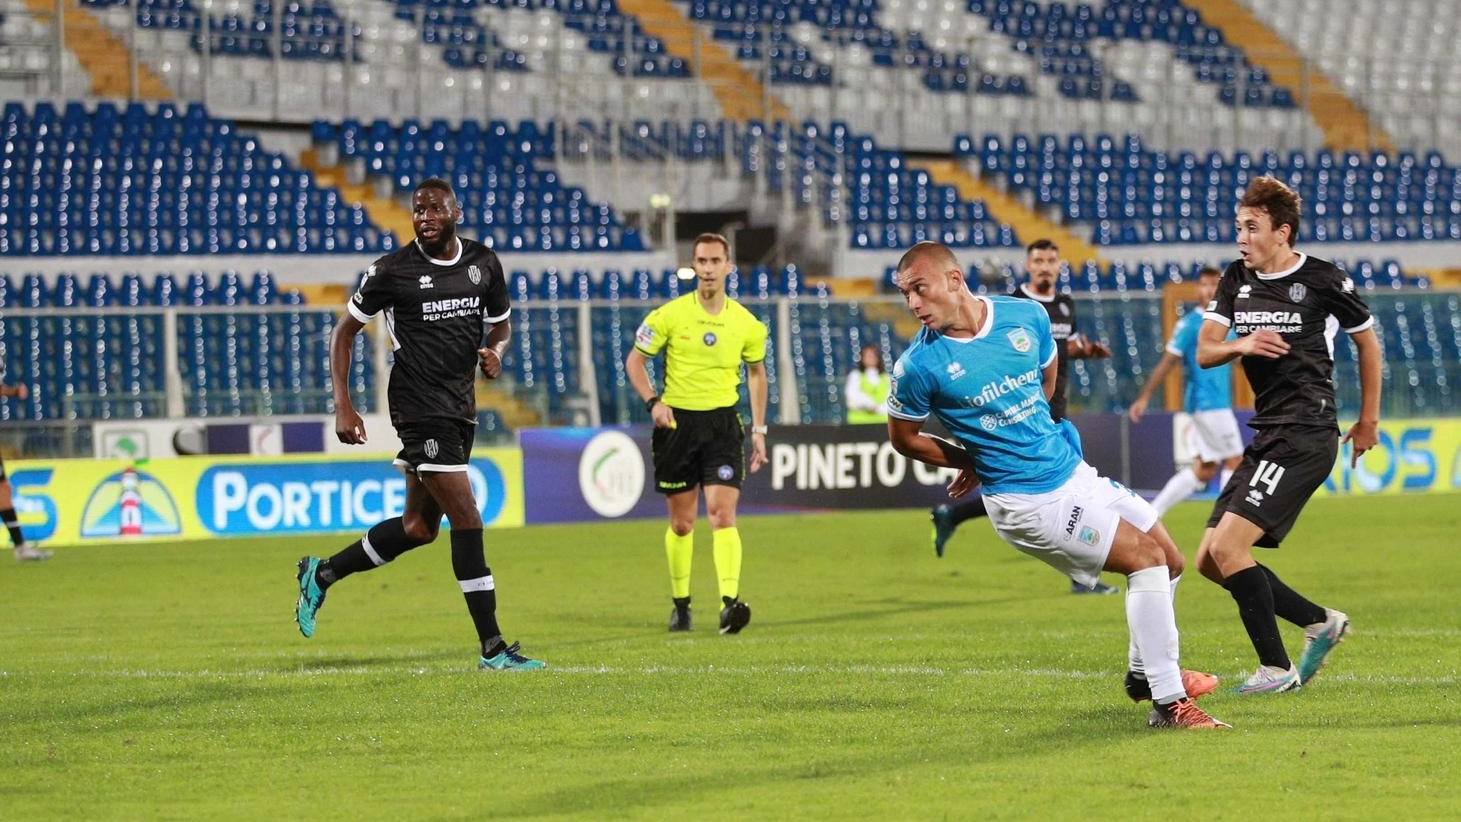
[587, 474]
[71, 502]
[1413, 457]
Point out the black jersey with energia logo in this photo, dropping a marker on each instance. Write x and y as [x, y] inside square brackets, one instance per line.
[1061, 309]
[435, 312]
[1307, 304]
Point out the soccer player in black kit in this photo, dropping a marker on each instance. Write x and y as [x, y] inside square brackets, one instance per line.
[1286, 308]
[439, 293]
[1042, 261]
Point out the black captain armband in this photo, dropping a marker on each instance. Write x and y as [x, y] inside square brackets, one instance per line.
[650, 403]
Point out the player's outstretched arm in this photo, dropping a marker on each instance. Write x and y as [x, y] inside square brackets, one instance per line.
[1080, 347]
[909, 440]
[349, 427]
[1164, 367]
[1214, 348]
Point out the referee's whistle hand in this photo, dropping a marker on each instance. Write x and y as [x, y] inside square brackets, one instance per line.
[663, 415]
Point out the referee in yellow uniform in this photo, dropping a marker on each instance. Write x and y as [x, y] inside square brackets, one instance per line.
[699, 438]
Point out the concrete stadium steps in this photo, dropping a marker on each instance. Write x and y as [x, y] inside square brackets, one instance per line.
[1028, 225]
[103, 56]
[741, 96]
[1346, 125]
[513, 411]
[384, 213]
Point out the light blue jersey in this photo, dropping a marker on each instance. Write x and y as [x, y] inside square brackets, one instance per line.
[1208, 389]
[987, 393]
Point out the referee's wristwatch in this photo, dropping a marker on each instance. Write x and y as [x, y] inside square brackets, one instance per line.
[758, 429]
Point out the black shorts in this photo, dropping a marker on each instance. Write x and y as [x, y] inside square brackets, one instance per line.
[704, 448]
[435, 446]
[1283, 467]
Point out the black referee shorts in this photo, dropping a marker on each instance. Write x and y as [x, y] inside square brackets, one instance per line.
[435, 446]
[704, 448]
[1283, 467]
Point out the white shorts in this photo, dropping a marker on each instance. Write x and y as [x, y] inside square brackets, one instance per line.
[1071, 528]
[1214, 436]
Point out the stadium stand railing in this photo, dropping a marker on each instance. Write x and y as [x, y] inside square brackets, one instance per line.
[166, 346]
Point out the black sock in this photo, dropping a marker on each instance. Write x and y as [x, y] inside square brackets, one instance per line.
[1290, 604]
[1250, 590]
[469, 563]
[682, 602]
[387, 540]
[972, 509]
[12, 524]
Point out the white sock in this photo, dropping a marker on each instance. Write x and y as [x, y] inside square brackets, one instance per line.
[1133, 653]
[1182, 485]
[1153, 625]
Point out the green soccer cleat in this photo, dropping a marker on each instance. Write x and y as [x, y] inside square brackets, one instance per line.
[508, 659]
[311, 595]
[943, 527]
[1319, 639]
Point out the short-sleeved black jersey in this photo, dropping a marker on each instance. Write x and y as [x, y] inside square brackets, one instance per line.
[435, 314]
[1307, 304]
[1061, 308]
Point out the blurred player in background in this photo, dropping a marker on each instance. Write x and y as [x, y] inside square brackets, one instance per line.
[440, 293]
[1042, 263]
[23, 551]
[1285, 308]
[985, 368]
[698, 435]
[1208, 400]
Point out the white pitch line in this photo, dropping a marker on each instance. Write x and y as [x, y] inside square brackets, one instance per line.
[669, 670]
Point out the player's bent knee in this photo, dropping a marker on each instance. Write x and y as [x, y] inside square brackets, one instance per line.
[418, 530]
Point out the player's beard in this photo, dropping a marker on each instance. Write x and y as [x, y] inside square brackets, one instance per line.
[445, 238]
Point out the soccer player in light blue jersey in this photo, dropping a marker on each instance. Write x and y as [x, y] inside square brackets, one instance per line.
[985, 368]
[1208, 399]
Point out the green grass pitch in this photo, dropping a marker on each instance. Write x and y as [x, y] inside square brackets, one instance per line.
[148, 681]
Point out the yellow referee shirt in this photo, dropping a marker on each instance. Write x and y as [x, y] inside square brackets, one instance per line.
[703, 353]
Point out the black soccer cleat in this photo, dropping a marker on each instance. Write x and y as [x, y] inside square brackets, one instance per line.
[680, 617]
[734, 616]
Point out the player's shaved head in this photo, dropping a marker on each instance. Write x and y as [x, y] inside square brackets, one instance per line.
[437, 184]
[928, 253]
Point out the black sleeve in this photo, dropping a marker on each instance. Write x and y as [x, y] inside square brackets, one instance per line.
[373, 293]
[497, 305]
[1221, 308]
[1340, 299]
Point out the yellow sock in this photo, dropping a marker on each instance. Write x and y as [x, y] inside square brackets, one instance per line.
[727, 543]
[680, 550]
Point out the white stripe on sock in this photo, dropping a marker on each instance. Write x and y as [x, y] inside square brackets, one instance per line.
[370, 550]
[478, 584]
